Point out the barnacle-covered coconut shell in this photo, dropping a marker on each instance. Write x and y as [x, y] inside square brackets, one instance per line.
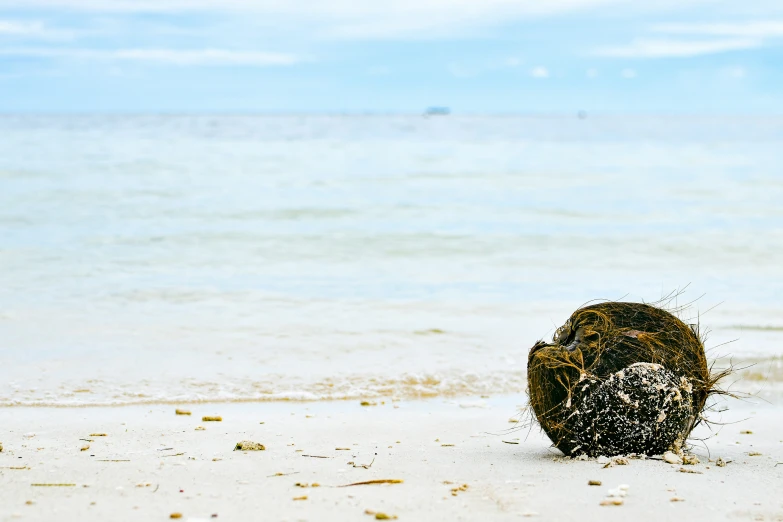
[591, 396]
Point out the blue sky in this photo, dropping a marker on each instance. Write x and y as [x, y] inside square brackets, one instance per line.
[476, 56]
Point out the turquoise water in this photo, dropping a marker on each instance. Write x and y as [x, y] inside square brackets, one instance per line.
[173, 258]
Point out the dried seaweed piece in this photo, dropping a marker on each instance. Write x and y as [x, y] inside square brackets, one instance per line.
[249, 445]
[370, 482]
[619, 378]
[212, 418]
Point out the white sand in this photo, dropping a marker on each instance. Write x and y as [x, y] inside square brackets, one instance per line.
[505, 481]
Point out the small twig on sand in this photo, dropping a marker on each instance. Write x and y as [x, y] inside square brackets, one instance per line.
[365, 466]
[283, 474]
[317, 456]
[370, 482]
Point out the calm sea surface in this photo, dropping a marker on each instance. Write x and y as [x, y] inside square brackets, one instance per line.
[174, 258]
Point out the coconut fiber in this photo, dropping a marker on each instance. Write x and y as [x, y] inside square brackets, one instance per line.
[619, 378]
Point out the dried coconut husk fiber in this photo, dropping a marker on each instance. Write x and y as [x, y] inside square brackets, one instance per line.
[620, 378]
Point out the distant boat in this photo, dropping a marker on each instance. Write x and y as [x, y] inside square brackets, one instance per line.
[437, 111]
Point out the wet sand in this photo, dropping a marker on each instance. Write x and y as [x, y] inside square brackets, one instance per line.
[454, 458]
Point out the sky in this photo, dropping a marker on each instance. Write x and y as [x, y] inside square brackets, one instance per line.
[351, 56]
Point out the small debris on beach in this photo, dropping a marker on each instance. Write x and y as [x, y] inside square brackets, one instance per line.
[303, 497]
[56, 485]
[181, 412]
[98, 435]
[754, 454]
[690, 460]
[1, 446]
[672, 458]
[677, 499]
[447, 445]
[685, 470]
[175, 515]
[594, 482]
[365, 466]
[746, 432]
[720, 462]
[342, 449]
[306, 485]
[456, 490]
[85, 447]
[200, 428]
[511, 442]
[248, 445]
[384, 516]
[612, 502]
[368, 403]
[371, 482]
[212, 418]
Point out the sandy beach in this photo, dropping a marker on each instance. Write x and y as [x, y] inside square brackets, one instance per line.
[456, 459]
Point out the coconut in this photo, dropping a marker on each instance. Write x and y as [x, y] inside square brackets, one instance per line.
[619, 378]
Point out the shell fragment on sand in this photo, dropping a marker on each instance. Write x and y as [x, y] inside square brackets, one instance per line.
[672, 458]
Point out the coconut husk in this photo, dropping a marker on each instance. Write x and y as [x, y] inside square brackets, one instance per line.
[590, 394]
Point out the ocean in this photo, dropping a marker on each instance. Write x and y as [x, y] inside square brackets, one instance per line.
[181, 258]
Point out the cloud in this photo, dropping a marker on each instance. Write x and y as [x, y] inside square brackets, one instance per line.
[14, 27]
[734, 72]
[27, 29]
[757, 29]
[161, 56]
[664, 48]
[347, 19]
[539, 72]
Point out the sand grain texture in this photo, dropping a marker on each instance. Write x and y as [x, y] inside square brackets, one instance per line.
[201, 476]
